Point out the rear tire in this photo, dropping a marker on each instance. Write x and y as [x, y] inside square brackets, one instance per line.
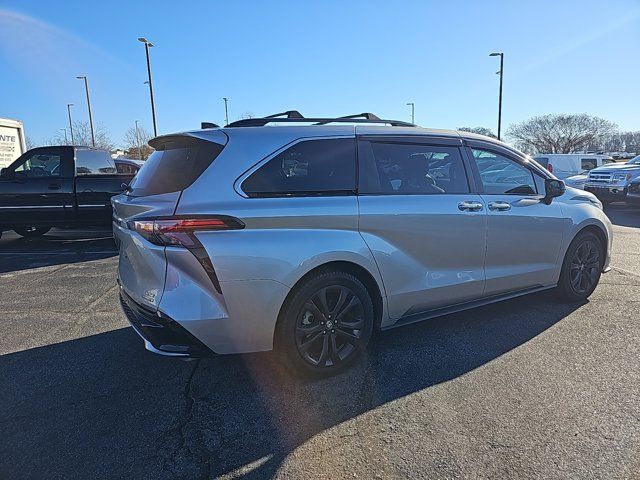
[325, 325]
[581, 268]
[30, 232]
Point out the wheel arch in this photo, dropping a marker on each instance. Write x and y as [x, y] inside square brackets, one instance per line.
[358, 271]
[598, 232]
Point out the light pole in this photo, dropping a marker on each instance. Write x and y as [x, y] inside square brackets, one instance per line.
[69, 105]
[501, 55]
[86, 87]
[413, 111]
[148, 44]
[138, 141]
[226, 110]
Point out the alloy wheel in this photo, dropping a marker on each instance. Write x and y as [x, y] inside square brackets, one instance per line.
[584, 267]
[330, 326]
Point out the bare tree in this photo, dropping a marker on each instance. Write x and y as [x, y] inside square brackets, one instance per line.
[82, 136]
[560, 133]
[479, 130]
[29, 142]
[136, 142]
[618, 142]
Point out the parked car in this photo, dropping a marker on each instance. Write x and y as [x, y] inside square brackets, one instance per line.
[566, 165]
[610, 182]
[307, 239]
[58, 186]
[633, 192]
[577, 181]
[128, 166]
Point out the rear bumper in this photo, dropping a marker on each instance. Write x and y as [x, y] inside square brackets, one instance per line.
[606, 193]
[161, 334]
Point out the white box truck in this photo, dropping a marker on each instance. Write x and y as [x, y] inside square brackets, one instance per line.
[12, 141]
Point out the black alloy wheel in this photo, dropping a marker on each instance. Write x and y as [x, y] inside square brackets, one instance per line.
[330, 325]
[326, 324]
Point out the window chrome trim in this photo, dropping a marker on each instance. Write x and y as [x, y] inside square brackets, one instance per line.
[237, 184]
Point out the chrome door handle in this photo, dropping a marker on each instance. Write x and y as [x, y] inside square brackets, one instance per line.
[470, 206]
[499, 206]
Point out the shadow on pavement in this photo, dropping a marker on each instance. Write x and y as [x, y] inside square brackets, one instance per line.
[623, 215]
[101, 406]
[55, 248]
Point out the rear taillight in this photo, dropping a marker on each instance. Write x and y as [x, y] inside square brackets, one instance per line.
[180, 232]
[550, 167]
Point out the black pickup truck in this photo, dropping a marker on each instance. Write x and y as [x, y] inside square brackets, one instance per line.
[58, 187]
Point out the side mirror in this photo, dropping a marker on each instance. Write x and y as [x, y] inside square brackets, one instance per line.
[553, 188]
[6, 173]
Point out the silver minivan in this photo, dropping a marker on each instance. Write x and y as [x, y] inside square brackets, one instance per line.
[306, 235]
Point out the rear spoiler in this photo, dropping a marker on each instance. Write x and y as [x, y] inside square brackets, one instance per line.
[215, 136]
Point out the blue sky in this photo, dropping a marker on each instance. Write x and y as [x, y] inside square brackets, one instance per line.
[323, 58]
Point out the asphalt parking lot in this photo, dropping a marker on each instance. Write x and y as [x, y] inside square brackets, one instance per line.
[530, 388]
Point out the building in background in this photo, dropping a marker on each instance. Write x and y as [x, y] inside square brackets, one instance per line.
[12, 141]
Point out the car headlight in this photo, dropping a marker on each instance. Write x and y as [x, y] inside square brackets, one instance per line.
[595, 202]
[589, 198]
[621, 177]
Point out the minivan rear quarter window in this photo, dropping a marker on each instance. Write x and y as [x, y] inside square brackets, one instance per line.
[310, 167]
[176, 164]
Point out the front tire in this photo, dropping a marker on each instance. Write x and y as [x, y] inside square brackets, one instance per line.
[325, 325]
[31, 231]
[581, 268]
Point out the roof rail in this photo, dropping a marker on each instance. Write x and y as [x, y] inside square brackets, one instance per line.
[287, 114]
[293, 116]
[365, 115]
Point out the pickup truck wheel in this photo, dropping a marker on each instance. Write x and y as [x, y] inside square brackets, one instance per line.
[30, 232]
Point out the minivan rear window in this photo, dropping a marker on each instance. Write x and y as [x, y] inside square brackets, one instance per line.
[175, 165]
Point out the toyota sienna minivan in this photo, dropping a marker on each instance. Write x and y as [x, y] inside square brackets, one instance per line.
[307, 235]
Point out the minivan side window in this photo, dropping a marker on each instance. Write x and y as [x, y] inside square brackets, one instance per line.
[412, 169]
[94, 162]
[310, 167]
[499, 175]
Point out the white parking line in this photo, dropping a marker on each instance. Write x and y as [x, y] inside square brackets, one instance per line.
[58, 253]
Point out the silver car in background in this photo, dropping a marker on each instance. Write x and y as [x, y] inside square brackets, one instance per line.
[308, 238]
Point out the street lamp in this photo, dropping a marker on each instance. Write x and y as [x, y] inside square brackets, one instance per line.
[413, 111]
[148, 44]
[226, 110]
[138, 141]
[501, 55]
[86, 88]
[69, 105]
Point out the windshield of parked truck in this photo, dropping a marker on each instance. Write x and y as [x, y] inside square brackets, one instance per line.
[634, 161]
